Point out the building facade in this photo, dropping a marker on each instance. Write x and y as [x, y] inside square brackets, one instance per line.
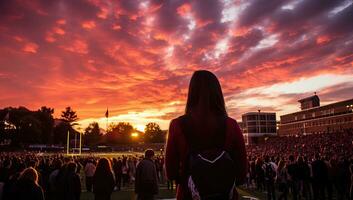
[318, 119]
[257, 125]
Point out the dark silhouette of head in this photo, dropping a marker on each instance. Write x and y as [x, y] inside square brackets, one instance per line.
[71, 167]
[317, 156]
[103, 166]
[291, 158]
[29, 174]
[58, 164]
[149, 153]
[267, 159]
[205, 95]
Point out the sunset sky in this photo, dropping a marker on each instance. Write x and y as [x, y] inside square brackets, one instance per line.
[136, 57]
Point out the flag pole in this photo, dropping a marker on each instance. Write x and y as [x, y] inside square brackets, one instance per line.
[106, 124]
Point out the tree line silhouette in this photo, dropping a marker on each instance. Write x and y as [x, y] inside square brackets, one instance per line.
[20, 127]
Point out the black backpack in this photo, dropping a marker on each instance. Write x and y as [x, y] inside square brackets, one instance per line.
[210, 172]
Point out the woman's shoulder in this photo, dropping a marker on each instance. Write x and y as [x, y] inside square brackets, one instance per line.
[232, 122]
[176, 122]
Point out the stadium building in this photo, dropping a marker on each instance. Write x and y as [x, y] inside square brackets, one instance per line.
[314, 118]
[258, 125]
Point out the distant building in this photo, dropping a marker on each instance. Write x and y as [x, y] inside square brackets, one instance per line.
[309, 102]
[257, 125]
[314, 118]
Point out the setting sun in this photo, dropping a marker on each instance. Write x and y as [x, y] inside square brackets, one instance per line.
[134, 135]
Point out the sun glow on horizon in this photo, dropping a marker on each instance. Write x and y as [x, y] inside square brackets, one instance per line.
[137, 119]
[134, 135]
[140, 127]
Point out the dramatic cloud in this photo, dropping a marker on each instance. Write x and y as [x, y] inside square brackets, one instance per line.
[137, 57]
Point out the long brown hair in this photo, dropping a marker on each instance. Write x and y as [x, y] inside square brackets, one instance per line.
[29, 174]
[205, 95]
[103, 167]
[205, 111]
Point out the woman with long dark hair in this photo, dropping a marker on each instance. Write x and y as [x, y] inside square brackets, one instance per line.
[27, 186]
[103, 180]
[205, 151]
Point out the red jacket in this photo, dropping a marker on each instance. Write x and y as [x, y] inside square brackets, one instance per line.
[177, 150]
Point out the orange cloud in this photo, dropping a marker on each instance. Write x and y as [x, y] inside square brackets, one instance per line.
[322, 39]
[78, 46]
[30, 47]
[61, 21]
[143, 55]
[88, 25]
[184, 9]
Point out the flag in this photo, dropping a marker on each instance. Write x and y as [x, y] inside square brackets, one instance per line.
[107, 113]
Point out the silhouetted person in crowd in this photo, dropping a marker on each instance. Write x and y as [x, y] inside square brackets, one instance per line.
[270, 175]
[125, 171]
[117, 168]
[205, 136]
[303, 174]
[27, 188]
[282, 180]
[319, 177]
[69, 183]
[146, 182]
[260, 175]
[103, 180]
[292, 168]
[53, 188]
[351, 176]
[90, 168]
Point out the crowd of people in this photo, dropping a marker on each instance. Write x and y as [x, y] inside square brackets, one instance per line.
[301, 167]
[309, 167]
[36, 176]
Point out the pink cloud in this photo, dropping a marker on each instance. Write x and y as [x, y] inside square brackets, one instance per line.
[30, 48]
[88, 25]
[137, 56]
[77, 46]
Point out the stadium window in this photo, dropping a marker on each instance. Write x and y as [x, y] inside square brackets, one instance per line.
[252, 123]
[253, 130]
[251, 117]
